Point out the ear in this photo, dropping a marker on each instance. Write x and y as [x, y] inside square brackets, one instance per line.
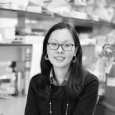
[75, 52]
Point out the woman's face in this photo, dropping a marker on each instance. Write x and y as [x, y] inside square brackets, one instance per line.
[60, 58]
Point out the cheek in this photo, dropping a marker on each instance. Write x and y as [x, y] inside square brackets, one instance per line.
[70, 55]
[50, 55]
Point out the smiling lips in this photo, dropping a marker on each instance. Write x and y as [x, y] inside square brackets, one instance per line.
[60, 58]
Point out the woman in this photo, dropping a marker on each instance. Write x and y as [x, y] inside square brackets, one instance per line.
[63, 87]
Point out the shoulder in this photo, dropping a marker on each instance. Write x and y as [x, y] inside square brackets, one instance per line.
[91, 84]
[35, 78]
[90, 78]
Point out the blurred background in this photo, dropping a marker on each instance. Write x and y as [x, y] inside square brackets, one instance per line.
[23, 25]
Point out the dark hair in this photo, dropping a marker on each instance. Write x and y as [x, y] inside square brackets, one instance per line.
[75, 80]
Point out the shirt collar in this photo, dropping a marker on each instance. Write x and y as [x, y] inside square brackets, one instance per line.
[54, 81]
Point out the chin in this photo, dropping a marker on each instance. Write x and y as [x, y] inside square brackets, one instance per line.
[60, 65]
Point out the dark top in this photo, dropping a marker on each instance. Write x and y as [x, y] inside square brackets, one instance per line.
[83, 105]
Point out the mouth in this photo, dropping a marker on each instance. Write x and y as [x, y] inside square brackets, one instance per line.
[59, 58]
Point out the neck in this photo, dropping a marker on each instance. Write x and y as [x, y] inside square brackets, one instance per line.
[60, 74]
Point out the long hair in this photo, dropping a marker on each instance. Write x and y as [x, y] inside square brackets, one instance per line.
[75, 80]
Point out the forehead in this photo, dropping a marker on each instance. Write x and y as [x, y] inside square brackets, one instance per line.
[61, 35]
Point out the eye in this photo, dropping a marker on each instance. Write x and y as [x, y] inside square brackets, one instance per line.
[67, 45]
[54, 44]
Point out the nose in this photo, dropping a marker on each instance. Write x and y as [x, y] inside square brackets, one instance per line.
[60, 49]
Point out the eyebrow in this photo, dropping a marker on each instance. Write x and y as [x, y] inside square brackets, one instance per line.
[57, 40]
[53, 39]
